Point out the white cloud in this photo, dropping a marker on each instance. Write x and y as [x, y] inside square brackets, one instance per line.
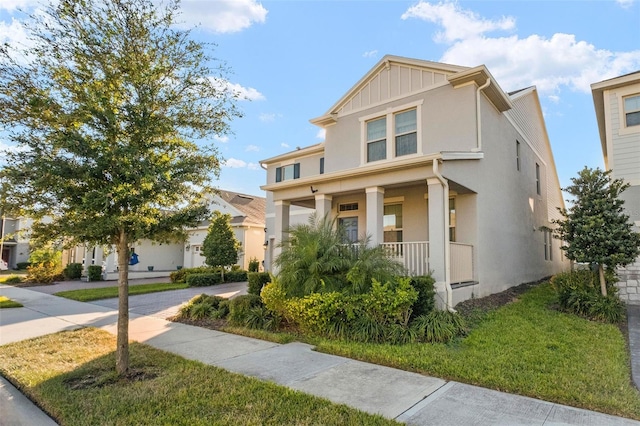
[221, 139]
[284, 145]
[267, 118]
[234, 163]
[458, 24]
[370, 54]
[14, 33]
[625, 4]
[222, 16]
[11, 5]
[253, 166]
[549, 63]
[241, 92]
[322, 133]
[252, 148]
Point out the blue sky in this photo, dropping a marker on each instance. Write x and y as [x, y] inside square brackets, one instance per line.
[292, 60]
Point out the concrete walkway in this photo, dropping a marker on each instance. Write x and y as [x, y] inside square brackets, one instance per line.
[407, 397]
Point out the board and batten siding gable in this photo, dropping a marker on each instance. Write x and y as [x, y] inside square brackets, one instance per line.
[527, 117]
[389, 83]
[625, 158]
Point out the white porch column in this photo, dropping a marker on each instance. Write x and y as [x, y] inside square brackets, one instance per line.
[111, 260]
[375, 213]
[323, 205]
[281, 228]
[438, 236]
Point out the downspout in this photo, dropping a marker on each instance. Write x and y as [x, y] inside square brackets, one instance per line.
[478, 147]
[447, 248]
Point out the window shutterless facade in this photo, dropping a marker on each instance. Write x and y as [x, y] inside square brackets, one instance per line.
[632, 110]
[392, 222]
[538, 188]
[288, 172]
[376, 139]
[518, 155]
[406, 131]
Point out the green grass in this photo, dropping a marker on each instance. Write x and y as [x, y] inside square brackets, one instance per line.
[71, 376]
[5, 302]
[87, 295]
[525, 348]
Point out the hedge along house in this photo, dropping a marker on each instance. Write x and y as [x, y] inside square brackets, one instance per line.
[159, 260]
[438, 164]
[617, 106]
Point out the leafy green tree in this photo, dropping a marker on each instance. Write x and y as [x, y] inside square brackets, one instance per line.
[595, 227]
[220, 247]
[315, 259]
[107, 107]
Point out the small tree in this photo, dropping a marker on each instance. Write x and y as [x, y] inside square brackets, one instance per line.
[595, 227]
[220, 247]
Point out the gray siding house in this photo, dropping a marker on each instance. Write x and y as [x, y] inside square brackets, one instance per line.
[617, 105]
[437, 163]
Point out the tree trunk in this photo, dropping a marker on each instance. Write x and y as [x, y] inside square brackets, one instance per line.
[603, 281]
[122, 350]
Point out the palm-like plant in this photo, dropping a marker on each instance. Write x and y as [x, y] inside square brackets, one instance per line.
[316, 259]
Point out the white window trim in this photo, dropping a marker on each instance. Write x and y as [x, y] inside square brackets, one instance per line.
[622, 119]
[390, 139]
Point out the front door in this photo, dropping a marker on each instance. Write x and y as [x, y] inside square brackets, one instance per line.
[350, 226]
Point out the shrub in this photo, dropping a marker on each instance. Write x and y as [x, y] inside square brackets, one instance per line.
[275, 299]
[438, 326]
[257, 280]
[95, 273]
[180, 276]
[73, 271]
[390, 303]
[240, 306]
[45, 274]
[23, 265]
[579, 293]
[12, 279]
[203, 306]
[203, 279]
[254, 265]
[235, 276]
[425, 302]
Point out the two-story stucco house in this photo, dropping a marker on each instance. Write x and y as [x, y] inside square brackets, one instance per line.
[14, 241]
[617, 105]
[437, 163]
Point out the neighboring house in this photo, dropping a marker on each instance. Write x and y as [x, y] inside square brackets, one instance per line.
[247, 221]
[14, 241]
[437, 163]
[617, 105]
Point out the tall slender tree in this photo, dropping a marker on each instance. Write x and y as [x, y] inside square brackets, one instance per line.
[220, 247]
[113, 108]
[595, 228]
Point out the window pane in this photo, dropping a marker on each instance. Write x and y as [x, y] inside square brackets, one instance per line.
[392, 218]
[377, 150]
[406, 122]
[287, 172]
[406, 144]
[377, 129]
[633, 119]
[632, 103]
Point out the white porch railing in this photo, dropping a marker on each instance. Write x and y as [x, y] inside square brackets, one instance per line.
[415, 258]
[461, 263]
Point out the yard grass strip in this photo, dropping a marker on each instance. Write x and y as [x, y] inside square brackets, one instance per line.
[90, 294]
[527, 348]
[5, 303]
[71, 375]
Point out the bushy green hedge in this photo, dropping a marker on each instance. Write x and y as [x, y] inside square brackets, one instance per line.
[235, 276]
[95, 273]
[240, 306]
[23, 265]
[579, 293]
[205, 306]
[254, 265]
[203, 279]
[257, 280]
[425, 302]
[73, 271]
[180, 276]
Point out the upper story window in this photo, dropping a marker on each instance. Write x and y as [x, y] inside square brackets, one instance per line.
[322, 165]
[288, 172]
[518, 155]
[406, 133]
[391, 134]
[538, 186]
[632, 110]
[377, 139]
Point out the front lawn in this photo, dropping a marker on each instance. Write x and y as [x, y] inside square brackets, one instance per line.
[87, 295]
[528, 348]
[71, 375]
[5, 302]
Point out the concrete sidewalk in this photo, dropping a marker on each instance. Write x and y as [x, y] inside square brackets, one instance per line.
[408, 397]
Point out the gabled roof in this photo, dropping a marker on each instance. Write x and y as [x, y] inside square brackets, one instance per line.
[480, 75]
[597, 91]
[251, 207]
[385, 63]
